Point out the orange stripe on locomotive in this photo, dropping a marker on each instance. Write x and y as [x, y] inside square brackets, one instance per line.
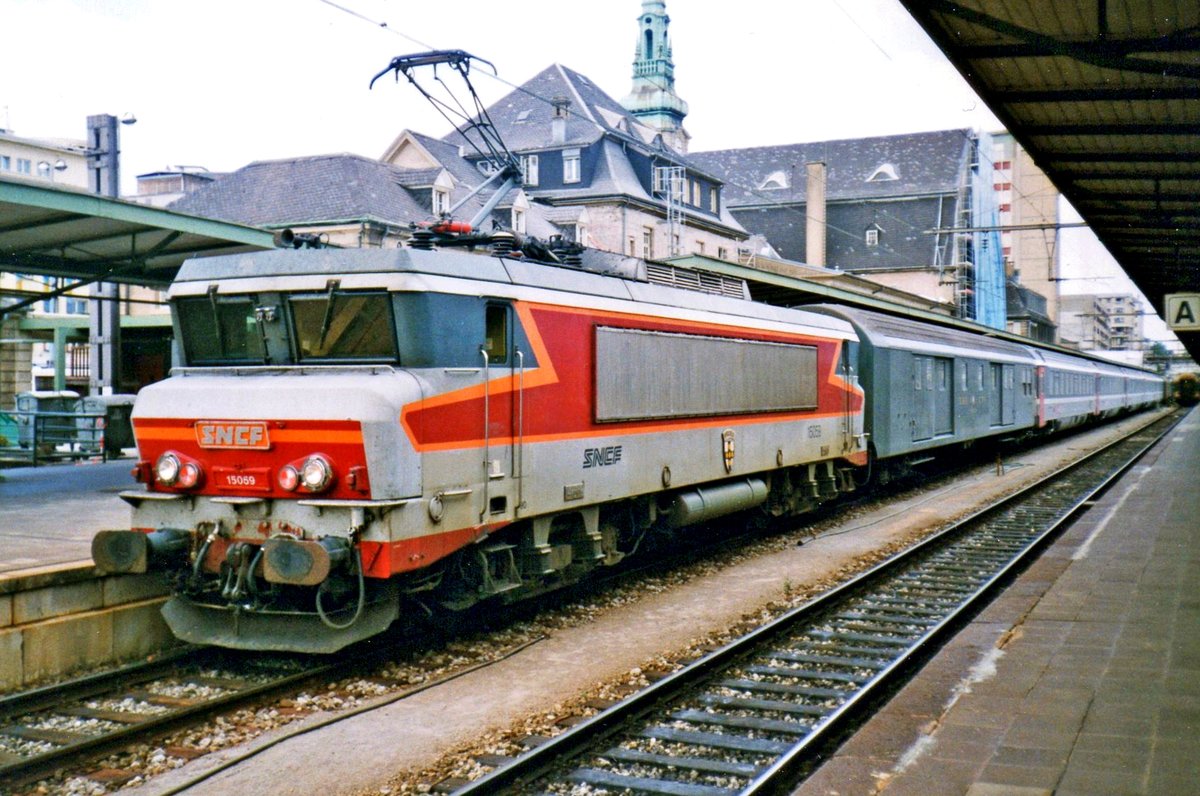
[558, 393]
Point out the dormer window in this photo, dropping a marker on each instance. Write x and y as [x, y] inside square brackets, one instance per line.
[872, 235]
[776, 180]
[529, 169]
[884, 173]
[571, 165]
[441, 201]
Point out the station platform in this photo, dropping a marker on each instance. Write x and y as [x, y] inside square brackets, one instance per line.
[49, 514]
[1081, 679]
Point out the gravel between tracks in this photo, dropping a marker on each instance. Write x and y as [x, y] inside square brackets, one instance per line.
[595, 650]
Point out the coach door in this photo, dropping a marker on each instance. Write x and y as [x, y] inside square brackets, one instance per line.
[922, 398]
[943, 396]
[1003, 400]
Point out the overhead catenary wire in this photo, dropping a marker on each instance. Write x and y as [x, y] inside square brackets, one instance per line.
[748, 189]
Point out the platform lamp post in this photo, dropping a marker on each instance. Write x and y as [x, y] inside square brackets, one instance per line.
[104, 309]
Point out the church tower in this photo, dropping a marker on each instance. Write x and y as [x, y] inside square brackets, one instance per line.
[653, 99]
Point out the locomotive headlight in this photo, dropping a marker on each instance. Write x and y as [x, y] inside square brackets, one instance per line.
[166, 469]
[316, 473]
[289, 478]
[189, 475]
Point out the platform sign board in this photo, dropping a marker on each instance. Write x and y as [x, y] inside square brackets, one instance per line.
[1183, 312]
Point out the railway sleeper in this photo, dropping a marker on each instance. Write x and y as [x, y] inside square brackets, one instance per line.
[781, 688]
[732, 742]
[698, 764]
[829, 660]
[869, 638]
[763, 705]
[621, 782]
[800, 726]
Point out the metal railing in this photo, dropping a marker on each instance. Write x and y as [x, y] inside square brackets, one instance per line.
[50, 436]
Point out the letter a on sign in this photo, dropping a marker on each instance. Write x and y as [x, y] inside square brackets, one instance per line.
[1183, 312]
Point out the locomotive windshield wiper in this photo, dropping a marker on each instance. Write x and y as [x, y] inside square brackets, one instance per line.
[327, 321]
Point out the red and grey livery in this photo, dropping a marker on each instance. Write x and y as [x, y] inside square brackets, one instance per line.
[356, 431]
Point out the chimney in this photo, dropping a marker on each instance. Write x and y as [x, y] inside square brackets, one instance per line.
[814, 210]
[558, 125]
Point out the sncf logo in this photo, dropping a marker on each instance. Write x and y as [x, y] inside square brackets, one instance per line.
[250, 435]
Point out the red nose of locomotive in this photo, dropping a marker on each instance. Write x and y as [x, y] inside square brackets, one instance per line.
[268, 459]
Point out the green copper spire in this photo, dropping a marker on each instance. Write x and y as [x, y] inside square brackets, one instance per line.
[653, 99]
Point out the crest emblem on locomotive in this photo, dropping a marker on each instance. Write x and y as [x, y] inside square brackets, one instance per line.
[727, 450]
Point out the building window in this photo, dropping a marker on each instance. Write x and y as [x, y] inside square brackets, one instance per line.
[775, 181]
[632, 246]
[713, 200]
[885, 172]
[5, 163]
[518, 220]
[529, 169]
[722, 253]
[441, 201]
[24, 166]
[647, 243]
[699, 247]
[695, 193]
[571, 170]
[581, 234]
[871, 238]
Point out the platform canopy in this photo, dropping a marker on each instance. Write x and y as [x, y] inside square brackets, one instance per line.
[52, 230]
[1105, 96]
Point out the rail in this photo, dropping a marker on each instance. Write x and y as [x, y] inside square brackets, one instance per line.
[752, 717]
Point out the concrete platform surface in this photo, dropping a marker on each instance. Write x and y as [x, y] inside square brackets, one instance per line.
[49, 514]
[1083, 679]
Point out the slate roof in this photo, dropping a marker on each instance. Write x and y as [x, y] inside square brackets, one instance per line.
[523, 116]
[924, 163]
[306, 190]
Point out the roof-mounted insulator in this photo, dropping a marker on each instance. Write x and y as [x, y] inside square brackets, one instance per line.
[503, 243]
[422, 238]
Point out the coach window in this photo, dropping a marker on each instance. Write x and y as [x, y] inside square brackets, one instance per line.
[340, 325]
[496, 343]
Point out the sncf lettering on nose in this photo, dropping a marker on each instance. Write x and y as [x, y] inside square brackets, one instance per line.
[222, 434]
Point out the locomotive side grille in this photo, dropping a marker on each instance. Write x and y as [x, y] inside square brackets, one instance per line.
[697, 376]
[700, 281]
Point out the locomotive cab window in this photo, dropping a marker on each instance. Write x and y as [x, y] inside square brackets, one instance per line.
[337, 325]
[496, 333]
[220, 331]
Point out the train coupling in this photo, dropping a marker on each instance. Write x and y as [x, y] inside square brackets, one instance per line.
[130, 552]
[304, 563]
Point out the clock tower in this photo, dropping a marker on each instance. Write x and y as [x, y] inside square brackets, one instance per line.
[653, 99]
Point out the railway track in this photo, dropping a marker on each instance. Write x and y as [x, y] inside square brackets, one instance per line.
[752, 717]
[41, 730]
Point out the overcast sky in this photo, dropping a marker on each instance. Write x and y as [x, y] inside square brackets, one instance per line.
[221, 83]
